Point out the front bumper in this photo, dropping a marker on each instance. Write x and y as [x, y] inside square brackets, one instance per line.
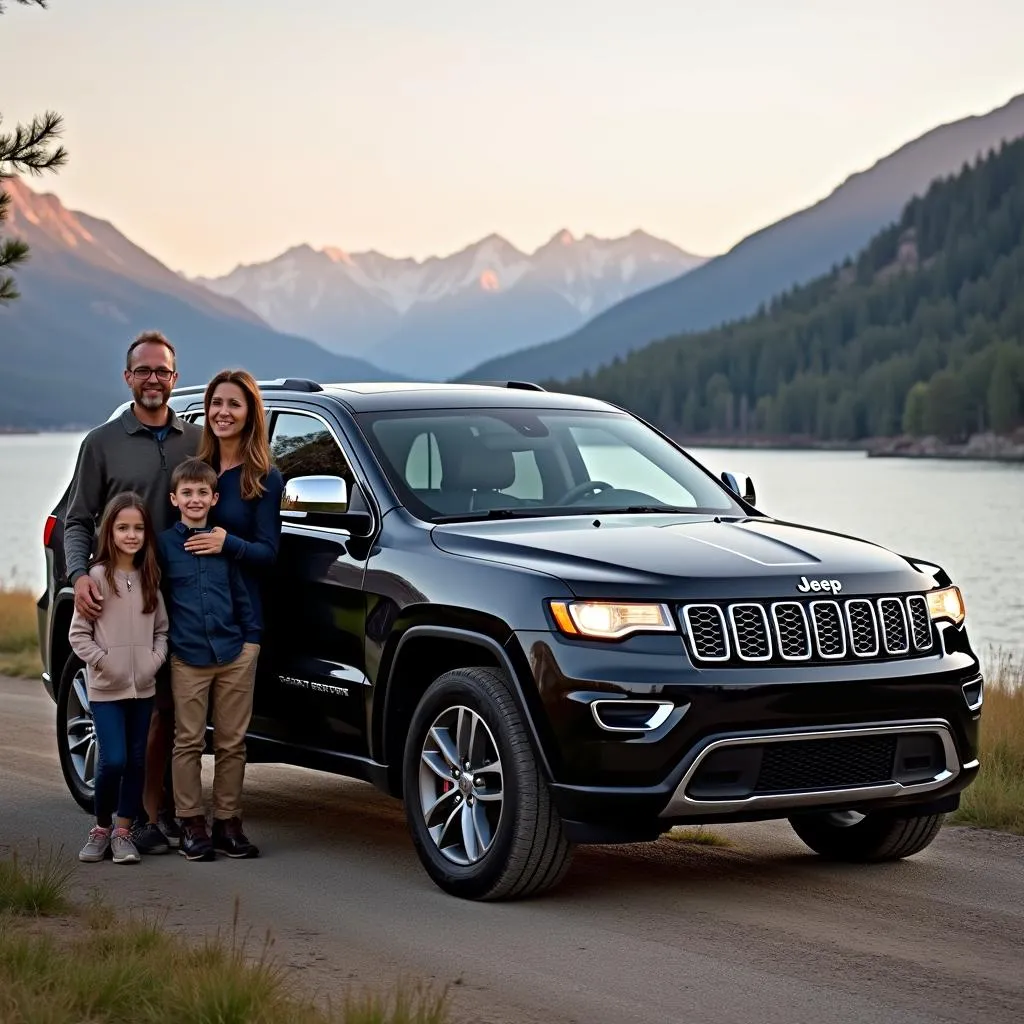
[639, 779]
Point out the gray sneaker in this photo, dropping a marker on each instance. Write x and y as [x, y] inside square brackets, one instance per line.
[96, 848]
[123, 847]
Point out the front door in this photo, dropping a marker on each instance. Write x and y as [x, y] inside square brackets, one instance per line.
[316, 607]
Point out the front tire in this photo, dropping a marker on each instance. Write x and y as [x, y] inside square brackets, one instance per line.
[866, 838]
[488, 831]
[76, 734]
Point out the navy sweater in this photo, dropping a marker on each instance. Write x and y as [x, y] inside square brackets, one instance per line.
[208, 604]
[253, 529]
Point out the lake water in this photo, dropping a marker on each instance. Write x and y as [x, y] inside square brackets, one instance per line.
[967, 516]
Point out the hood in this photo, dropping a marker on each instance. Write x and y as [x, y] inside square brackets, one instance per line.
[684, 557]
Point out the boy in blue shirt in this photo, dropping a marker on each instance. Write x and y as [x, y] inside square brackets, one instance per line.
[213, 642]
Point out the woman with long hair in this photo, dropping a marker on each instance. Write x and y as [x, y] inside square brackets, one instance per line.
[246, 520]
[247, 516]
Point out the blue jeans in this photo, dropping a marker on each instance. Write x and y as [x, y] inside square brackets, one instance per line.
[122, 728]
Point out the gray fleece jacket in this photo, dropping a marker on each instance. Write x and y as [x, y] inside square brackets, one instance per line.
[123, 455]
[125, 647]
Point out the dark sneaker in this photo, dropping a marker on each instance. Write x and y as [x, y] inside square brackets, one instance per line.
[195, 840]
[147, 838]
[229, 838]
[170, 827]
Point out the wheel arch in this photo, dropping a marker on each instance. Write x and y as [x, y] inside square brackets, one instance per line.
[423, 653]
[59, 640]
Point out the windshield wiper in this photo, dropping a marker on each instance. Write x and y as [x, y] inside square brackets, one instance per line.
[637, 509]
[487, 513]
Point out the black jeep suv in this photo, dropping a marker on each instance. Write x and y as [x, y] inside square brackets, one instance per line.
[538, 621]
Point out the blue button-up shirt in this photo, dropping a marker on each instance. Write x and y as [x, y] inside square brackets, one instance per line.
[208, 605]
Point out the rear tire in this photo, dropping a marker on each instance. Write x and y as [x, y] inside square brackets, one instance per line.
[76, 735]
[492, 832]
[870, 838]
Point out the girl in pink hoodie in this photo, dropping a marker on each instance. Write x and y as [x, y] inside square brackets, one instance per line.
[122, 649]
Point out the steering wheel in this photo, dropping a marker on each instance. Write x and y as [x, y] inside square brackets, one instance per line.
[577, 492]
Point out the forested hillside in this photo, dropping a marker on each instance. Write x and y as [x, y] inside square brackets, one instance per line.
[923, 334]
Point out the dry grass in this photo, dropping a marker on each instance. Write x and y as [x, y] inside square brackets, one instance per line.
[996, 798]
[37, 886]
[698, 835]
[19, 636]
[103, 968]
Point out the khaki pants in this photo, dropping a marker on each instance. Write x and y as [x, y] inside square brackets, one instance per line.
[231, 688]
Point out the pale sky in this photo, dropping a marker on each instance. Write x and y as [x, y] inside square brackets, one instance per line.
[214, 132]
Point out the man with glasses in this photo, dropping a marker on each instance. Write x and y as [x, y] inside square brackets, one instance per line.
[138, 452]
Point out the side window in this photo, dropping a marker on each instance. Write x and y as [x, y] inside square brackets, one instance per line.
[423, 463]
[302, 446]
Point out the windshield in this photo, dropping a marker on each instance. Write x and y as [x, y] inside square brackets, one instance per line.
[490, 463]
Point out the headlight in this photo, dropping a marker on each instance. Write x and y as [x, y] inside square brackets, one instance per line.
[608, 620]
[947, 604]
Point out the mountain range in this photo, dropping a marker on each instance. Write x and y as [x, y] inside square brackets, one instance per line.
[86, 291]
[435, 318]
[771, 261]
[922, 333]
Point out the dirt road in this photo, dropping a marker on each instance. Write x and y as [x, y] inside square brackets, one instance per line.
[759, 932]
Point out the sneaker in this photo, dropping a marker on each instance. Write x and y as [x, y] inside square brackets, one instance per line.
[97, 846]
[229, 838]
[123, 848]
[148, 838]
[171, 828]
[195, 840]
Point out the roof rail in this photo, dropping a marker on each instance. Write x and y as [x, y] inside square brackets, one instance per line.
[518, 385]
[278, 384]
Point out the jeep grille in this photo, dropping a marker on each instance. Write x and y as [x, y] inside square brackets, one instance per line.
[778, 632]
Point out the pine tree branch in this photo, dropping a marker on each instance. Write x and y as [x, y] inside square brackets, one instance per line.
[12, 252]
[28, 147]
[38, 3]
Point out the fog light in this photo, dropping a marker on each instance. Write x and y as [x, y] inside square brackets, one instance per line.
[974, 693]
[631, 715]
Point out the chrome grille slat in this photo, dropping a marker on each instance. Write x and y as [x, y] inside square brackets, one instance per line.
[705, 625]
[920, 622]
[893, 619]
[751, 636]
[829, 633]
[792, 630]
[863, 625]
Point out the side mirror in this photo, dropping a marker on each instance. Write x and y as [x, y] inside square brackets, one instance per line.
[317, 494]
[748, 493]
[325, 501]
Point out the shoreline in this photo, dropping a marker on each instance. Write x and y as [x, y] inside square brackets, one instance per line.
[977, 448]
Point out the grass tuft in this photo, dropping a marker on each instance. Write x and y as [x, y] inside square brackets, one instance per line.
[109, 969]
[19, 636]
[697, 835]
[996, 798]
[37, 887]
[408, 1005]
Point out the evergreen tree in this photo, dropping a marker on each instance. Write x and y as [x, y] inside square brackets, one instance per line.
[1004, 389]
[28, 149]
[922, 332]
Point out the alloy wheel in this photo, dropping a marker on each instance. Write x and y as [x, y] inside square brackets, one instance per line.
[461, 790]
[81, 731]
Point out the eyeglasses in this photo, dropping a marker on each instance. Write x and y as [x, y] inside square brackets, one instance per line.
[141, 373]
